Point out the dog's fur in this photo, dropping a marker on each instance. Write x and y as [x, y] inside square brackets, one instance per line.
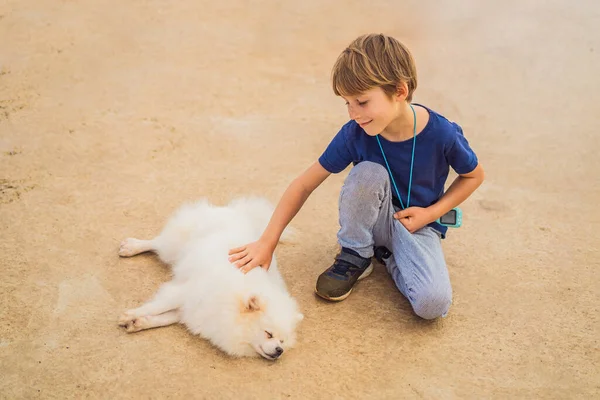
[242, 314]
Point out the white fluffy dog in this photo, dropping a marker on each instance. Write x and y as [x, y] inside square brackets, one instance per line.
[242, 314]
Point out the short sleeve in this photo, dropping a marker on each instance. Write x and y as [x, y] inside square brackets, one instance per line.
[460, 156]
[337, 156]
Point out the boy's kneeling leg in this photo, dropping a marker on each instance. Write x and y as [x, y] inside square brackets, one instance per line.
[420, 272]
[431, 302]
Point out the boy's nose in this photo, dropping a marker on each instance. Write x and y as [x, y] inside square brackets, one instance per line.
[352, 113]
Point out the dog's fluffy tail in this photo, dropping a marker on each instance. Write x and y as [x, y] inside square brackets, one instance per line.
[260, 210]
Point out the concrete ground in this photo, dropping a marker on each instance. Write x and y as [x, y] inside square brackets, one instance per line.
[113, 113]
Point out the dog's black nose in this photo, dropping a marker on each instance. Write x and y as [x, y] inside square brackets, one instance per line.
[278, 351]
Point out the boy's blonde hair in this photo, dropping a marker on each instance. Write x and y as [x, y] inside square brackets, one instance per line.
[374, 61]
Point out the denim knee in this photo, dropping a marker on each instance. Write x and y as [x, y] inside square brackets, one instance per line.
[368, 175]
[431, 303]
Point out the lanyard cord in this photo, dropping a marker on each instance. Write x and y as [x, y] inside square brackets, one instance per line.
[411, 161]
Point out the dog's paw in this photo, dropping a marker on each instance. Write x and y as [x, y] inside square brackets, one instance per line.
[129, 247]
[131, 323]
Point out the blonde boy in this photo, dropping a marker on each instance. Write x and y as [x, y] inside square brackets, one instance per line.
[396, 147]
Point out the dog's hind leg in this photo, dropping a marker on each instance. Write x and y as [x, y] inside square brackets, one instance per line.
[131, 247]
[136, 324]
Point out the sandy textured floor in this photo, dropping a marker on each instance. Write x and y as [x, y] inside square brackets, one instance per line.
[114, 113]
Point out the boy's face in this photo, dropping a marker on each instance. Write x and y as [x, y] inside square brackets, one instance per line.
[373, 110]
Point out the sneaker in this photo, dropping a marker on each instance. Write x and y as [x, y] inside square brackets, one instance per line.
[337, 281]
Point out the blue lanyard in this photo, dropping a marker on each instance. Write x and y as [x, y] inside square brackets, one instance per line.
[412, 161]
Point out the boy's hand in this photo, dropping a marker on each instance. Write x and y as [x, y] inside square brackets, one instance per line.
[256, 254]
[414, 218]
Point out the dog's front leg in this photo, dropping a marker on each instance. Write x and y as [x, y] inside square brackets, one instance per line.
[168, 298]
[136, 324]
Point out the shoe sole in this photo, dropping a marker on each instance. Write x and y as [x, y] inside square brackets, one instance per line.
[366, 273]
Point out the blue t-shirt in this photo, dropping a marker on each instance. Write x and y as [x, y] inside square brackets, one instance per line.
[440, 145]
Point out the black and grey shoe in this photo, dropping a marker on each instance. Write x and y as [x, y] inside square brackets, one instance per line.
[337, 281]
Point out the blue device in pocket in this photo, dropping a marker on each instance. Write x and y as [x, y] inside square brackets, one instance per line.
[452, 219]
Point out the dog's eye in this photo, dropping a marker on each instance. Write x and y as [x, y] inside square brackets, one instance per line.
[269, 335]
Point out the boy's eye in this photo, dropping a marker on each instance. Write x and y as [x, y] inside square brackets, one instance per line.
[269, 335]
[360, 103]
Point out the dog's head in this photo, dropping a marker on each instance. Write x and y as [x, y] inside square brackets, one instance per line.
[273, 321]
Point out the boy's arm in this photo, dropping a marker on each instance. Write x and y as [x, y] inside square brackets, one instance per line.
[260, 252]
[414, 218]
[292, 201]
[462, 187]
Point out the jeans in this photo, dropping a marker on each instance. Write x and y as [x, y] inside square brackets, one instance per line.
[417, 264]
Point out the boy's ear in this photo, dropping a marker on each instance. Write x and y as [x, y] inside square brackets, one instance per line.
[402, 91]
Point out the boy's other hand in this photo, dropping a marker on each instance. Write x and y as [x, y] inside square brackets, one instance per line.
[413, 218]
[252, 255]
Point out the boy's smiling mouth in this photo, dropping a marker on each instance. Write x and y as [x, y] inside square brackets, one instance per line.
[363, 124]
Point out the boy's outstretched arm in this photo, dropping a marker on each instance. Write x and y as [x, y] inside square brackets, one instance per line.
[414, 218]
[260, 253]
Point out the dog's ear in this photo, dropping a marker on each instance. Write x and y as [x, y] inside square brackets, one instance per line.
[252, 304]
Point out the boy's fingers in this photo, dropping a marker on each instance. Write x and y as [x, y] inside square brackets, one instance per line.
[247, 268]
[237, 256]
[402, 214]
[241, 263]
[245, 260]
[236, 250]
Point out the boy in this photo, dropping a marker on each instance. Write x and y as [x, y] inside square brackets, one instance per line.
[394, 193]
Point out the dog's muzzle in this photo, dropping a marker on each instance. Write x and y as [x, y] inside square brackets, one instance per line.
[277, 354]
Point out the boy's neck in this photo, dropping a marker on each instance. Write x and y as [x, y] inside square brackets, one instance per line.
[402, 128]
